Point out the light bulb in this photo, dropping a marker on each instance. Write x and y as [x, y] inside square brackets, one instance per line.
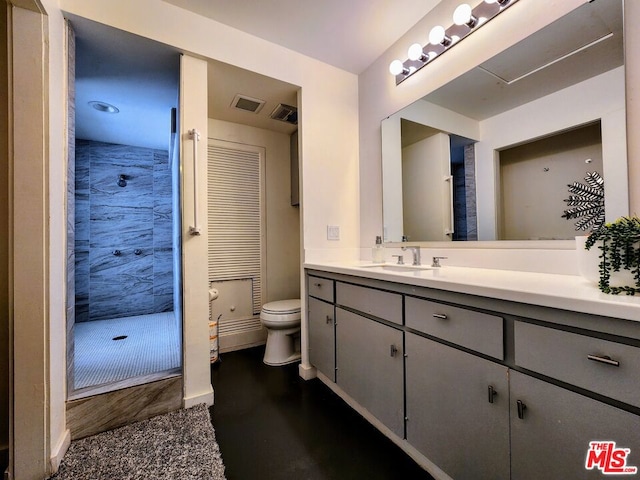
[463, 15]
[416, 53]
[396, 68]
[438, 36]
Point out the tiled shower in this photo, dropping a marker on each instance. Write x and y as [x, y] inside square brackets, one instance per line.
[124, 263]
[123, 233]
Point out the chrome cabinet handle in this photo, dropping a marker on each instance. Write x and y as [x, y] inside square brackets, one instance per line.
[329, 320]
[604, 359]
[440, 315]
[521, 408]
[492, 393]
[393, 350]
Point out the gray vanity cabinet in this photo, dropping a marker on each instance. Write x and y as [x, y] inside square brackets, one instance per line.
[457, 410]
[551, 428]
[322, 349]
[490, 390]
[370, 366]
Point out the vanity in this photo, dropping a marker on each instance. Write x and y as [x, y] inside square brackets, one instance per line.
[480, 373]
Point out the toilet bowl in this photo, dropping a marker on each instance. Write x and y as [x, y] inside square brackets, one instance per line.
[282, 321]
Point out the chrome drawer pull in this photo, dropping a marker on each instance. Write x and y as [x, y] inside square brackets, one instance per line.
[393, 350]
[521, 408]
[492, 393]
[605, 359]
[329, 319]
[440, 315]
[318, 285]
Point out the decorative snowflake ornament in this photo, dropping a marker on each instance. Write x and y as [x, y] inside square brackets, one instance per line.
[588, 202]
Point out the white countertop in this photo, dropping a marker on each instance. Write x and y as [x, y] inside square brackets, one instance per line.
[567, 292]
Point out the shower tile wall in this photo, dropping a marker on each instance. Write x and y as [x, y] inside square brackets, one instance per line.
[109, 218]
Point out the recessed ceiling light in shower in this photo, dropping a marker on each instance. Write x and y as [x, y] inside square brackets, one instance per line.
[104, 107]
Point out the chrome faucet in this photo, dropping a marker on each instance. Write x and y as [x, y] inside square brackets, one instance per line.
[436, 261]
[416, 254]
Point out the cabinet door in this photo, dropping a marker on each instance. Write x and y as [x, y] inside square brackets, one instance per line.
[457, 410]
[551, 440]
[322, 336]
[370, 367]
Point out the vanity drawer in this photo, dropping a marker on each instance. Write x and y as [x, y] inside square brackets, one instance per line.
[601, 366]
[474, 330]
[385, 305]
[321, 288]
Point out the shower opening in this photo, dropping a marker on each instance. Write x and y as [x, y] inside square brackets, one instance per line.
[124, 309]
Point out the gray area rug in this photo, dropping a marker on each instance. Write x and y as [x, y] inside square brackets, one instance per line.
[180, 445]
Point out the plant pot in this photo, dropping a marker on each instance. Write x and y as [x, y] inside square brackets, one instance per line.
[589, 265]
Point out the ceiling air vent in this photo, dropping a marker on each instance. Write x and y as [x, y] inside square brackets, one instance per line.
[285, 113]
[247, 104]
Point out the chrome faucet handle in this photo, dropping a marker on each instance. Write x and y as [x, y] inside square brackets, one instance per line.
[416, 253]
[436, 261]
[400, 259]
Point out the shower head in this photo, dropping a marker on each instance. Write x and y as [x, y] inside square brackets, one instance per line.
[122, 181]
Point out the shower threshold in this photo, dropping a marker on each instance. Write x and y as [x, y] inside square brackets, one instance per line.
[126, 383]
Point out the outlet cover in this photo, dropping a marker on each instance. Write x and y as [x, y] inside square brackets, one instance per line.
[333, 232]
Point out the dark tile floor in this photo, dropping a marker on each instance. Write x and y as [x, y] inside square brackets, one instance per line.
[272, 425]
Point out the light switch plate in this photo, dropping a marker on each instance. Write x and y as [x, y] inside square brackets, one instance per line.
[333, 232]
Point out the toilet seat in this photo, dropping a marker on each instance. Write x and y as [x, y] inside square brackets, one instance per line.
[282, 307]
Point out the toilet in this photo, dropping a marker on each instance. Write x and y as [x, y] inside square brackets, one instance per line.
[282, 321]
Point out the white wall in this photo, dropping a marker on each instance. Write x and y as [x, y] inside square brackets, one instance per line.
[195, 279]
[282, 220]
[328, 104]
[600, 97]
[59, 434]
[380, 97]
[37, 245]
[4, 240]
[632, 83]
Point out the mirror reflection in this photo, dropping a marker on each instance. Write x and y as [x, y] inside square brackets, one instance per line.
[490, 155]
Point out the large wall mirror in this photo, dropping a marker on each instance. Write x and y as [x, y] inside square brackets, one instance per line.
[490, 155]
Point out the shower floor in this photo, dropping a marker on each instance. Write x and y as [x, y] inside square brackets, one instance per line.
[151, 344]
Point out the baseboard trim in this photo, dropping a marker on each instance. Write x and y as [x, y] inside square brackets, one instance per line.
[307, 372]
[242, 340]
[206, 397]
[241, 346]
[59, 450]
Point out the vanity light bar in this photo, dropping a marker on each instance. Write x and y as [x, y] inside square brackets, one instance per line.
[466, 20]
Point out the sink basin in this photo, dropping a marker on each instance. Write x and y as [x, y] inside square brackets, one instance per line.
[398, 268]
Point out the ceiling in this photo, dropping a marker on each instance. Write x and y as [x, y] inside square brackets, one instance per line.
[141, 77]
[586, 42]
[138, 76]
[349, 34]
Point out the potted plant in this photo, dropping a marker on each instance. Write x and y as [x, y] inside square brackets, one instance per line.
[619, 243]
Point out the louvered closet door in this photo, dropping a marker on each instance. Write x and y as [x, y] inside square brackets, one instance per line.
[235, 208]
